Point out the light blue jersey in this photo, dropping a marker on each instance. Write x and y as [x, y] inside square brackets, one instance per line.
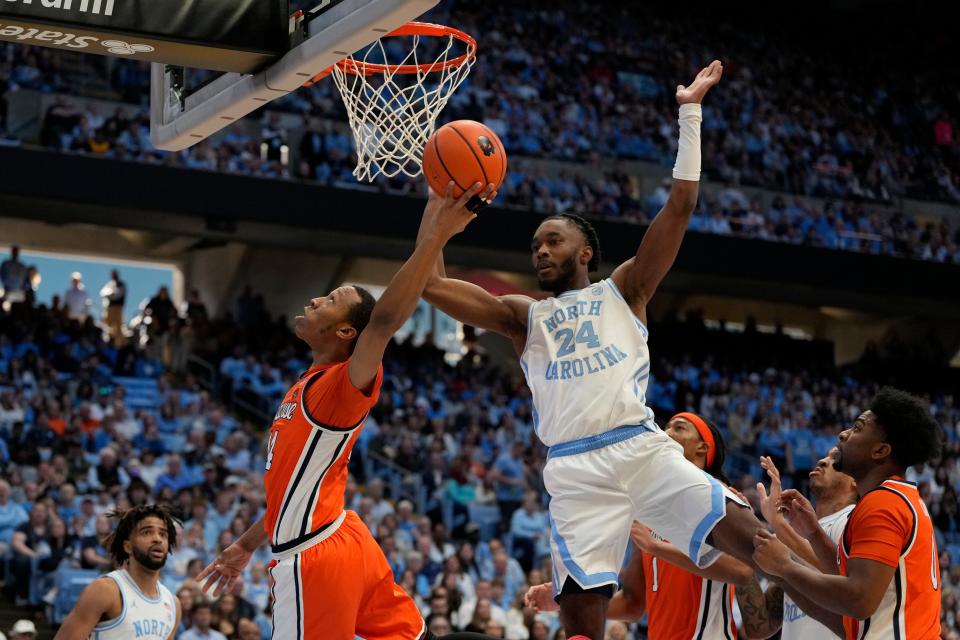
[142, 616]
[587, 364]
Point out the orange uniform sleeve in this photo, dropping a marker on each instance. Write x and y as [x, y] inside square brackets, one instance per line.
[881, 527]
[333, 400]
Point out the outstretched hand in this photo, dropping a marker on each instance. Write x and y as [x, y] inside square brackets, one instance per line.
[770, 502]
[641, 536]
[799, 513]
[446, 216]
[708, 77]
[225, 571]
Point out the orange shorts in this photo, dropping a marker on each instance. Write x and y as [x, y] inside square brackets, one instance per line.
[341, 588]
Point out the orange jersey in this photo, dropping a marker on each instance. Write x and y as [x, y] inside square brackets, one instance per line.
[684, 606]
[891, 525]
[311, 438]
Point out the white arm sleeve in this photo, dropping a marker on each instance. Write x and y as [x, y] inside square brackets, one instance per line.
[688, 153]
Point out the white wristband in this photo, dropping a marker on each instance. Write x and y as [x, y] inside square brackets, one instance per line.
[688, 152]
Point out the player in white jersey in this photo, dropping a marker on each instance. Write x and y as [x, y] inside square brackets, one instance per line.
[835, 494]
[130, 603]
[584, 353]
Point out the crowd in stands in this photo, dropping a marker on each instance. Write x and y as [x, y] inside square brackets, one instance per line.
[447, 473]
[605, 91]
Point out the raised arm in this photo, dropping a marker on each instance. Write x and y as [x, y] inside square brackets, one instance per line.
[802, 519]
[639, 277]
[443, 217]
[473, 305]
[773, 513]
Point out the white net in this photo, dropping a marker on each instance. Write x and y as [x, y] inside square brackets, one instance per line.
[393, 104]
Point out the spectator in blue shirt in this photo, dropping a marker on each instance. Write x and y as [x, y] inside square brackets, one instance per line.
[508, 484]
[223, 511]
[176, 477]
[67, 507]
[12, 515]
[527, 528]
[202, 620]
[508, 570]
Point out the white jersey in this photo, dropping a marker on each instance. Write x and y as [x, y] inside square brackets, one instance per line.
[587, 364]
[141, 616]
[797, 625]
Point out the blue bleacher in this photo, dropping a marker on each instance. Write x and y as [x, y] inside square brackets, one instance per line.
[142, 393]
[70, 584]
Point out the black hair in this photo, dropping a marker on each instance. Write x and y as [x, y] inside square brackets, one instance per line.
[359, 316]
[589, 233]
[720, 452]
[127, 522]
[910, 430]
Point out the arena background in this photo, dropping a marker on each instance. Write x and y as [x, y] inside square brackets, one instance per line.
[822, 262]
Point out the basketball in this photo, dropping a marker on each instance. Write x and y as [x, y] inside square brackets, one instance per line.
[466, 152]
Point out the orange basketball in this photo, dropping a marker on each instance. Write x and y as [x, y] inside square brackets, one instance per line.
[466, 152]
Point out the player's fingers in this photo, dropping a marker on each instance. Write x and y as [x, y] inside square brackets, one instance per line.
[488, 192]
[680, 88]
[209, 583]
[762, 490]
[203, 574]
[449, 193]
[469, 193]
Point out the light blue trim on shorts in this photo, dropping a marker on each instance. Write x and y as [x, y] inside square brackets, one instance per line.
[587, 581]
[600, 440]
[717, 511]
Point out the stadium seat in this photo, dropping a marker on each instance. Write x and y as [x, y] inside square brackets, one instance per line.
[142, 393]
[70, 584]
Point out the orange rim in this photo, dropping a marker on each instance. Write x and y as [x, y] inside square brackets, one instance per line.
[349, 65]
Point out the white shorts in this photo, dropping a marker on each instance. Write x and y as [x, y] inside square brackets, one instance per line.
[599, 485]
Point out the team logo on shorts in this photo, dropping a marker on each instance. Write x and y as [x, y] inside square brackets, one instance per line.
[486, 146]
[121, 48]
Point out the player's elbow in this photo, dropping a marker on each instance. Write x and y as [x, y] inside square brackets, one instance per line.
[863, 607]
[385, 321]
[683, 197]
[633, 608]
[740, 576]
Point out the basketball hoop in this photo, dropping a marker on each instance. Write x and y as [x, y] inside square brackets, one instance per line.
[393, 107]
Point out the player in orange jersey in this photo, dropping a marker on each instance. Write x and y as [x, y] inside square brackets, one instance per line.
[888, 585]
[330, 579]
[682, 600]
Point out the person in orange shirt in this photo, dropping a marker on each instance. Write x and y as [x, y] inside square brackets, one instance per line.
[682, 600]
[887, 586]
[329, 577]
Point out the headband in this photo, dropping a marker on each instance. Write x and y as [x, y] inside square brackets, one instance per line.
[704, 432]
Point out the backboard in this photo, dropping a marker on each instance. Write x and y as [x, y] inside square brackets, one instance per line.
[182, 116]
